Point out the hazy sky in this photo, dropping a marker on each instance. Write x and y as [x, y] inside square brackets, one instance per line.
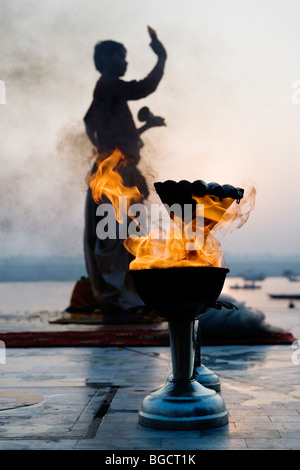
[226, 97]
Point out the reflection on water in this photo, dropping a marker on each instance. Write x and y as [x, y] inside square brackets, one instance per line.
[259, 298]
[277, 311]
[240, 360]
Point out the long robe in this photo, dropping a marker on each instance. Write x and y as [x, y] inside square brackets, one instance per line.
[110, 126]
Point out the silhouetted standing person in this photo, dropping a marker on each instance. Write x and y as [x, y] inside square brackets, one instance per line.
[109, 125]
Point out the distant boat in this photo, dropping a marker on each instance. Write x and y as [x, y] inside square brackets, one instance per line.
[247, 285]
[285, 296]
[291, 276]
[250, 277]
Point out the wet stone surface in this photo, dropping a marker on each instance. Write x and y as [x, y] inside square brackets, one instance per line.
[88, 398]
[45, 412]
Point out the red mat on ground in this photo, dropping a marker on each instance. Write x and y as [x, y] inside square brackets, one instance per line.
[125, 337]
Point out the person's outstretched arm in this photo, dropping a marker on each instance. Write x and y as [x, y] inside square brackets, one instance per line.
[136, 90]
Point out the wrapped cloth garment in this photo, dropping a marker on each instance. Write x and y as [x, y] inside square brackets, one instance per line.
[107, 261]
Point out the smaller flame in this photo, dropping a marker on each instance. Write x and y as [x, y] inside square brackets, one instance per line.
[107, 181]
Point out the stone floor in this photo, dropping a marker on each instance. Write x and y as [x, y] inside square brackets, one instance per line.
[88, 399]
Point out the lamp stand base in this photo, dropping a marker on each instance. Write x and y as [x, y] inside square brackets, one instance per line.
[207, 378]
[183, 406]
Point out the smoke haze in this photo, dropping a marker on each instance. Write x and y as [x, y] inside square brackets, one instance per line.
[225, 96]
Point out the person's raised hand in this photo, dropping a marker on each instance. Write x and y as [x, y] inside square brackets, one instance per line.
[156, 45]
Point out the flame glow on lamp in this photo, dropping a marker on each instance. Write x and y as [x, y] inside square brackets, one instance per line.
[170, 248]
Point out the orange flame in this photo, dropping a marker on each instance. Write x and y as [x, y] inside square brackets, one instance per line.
[174, 248]
[107, 181]
[177, 249]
